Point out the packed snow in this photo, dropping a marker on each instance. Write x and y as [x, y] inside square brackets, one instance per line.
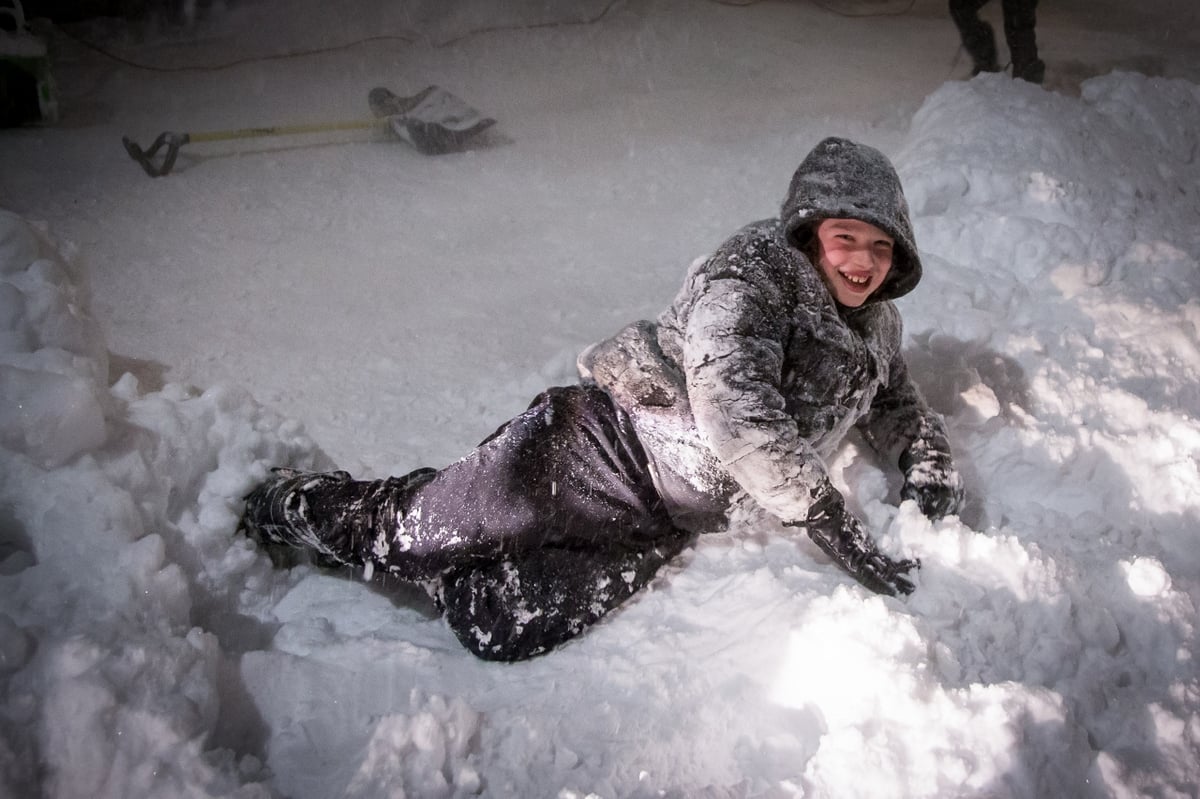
[341, 300]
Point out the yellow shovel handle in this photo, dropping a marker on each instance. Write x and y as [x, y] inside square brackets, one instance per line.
[284, 130]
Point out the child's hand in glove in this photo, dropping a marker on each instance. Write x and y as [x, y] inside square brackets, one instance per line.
[934, 484]
[841, 536]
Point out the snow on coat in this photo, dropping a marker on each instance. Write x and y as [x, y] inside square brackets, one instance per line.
[754, 374]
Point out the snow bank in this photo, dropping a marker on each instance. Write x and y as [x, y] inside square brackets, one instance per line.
[1049, 649]
[1065, 262]
[117, 509]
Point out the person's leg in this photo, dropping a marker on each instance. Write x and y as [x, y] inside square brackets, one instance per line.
[1020, 20]
[516, 609]
[568, 472]
[552, 522]
[977, 36]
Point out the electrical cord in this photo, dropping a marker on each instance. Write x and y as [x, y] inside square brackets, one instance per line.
[823, 7]
[413, 38]
[394, 37]
[238, 62]
[899, 13]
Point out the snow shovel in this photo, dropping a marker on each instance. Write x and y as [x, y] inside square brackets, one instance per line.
[434, 121]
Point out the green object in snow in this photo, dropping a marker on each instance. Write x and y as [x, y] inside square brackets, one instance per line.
[27, 91]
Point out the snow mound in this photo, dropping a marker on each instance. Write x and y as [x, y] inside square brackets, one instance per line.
[116, 517]
[1049, 650]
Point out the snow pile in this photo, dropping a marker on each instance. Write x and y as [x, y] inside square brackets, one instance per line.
[53, 359]
[1049, 649]
[117, 509]
[1064, 341]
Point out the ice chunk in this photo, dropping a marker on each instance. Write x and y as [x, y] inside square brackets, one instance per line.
[14, 645]
[18, 243]
[1146, 577]
[49, 417]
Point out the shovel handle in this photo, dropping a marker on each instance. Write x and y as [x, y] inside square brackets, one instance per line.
[173, 141]
[283, 130]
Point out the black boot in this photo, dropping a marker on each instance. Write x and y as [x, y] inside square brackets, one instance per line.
[1033, 71]
[336, 519]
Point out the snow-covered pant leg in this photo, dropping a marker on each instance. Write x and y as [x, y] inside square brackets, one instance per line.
[516, 609]
[550, 523]
[977, 36]
[1020, 21]
[568, 473]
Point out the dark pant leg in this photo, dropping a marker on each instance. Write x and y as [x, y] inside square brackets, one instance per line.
[550, 523]
[515, 609]
[1020, 21]
[569, 472]
[977, 36]
[573, 531]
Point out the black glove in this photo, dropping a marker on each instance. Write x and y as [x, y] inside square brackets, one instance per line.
[841, 537]
[933, 483]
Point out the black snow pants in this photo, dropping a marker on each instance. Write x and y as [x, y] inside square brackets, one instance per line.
[550, 523]
[1020, 19]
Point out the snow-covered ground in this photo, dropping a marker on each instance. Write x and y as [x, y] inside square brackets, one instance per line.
[341, 299]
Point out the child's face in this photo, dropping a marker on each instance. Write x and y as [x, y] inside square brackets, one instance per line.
[854, 258]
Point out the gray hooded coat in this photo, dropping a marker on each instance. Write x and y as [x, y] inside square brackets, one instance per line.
[755, 374]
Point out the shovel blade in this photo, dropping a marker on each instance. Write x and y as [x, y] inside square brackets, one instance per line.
[434, 121]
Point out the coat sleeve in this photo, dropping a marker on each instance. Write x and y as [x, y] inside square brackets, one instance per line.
[901, 426]
[733, 350]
